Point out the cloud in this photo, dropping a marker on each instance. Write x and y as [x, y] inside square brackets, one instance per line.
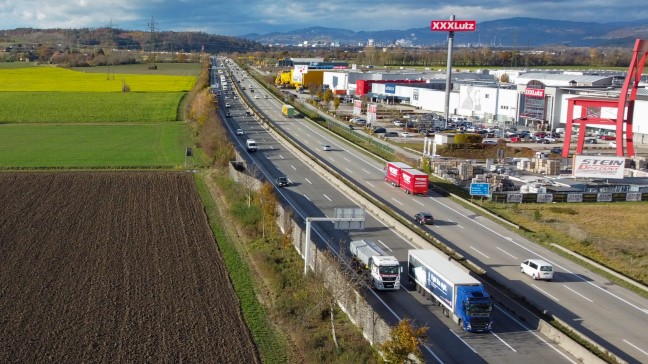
[237, 17]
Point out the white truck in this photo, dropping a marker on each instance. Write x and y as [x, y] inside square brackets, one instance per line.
[383, 269]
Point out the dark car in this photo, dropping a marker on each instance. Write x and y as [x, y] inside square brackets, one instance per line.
[556, 150]
[282, 181]
[390, 134]
[424, 218]
[591, 141]
[379, 130]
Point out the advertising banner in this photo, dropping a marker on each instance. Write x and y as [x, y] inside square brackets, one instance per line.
[372, 110]
[453, 25]
[598, 166]
[298, 73]
[357, 107]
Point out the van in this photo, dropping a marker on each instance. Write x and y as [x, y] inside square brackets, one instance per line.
[537, 269]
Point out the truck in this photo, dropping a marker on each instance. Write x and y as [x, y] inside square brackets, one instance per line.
[414, 182]
[393, 172]
[461, 296]
[383, 270]
[288, 110]
[251, 145]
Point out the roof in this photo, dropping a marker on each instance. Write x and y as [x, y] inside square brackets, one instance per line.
[563, 80]
[445, 266]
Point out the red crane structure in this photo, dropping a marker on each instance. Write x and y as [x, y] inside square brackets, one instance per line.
[590, 108]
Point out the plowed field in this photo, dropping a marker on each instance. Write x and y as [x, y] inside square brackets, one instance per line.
[113, 267]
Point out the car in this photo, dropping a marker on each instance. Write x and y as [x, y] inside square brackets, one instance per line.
[390, 134]
[556, 150]
[612, 144]
[256, 96]
[550, 139]
[591, 141]
[282, 181]
[378, 130]
[228, 114]
[239, 132]
[405, 134]
[248, 113]
[537, 269]
[398, 123]
[607, 137]
[228, 105]
[326, 147]
[489, 142]
[424, 218]
[350, 127]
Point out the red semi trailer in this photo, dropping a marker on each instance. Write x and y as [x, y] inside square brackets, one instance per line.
[393, 172]
[414, 182]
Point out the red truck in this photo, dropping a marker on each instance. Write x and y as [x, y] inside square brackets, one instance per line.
[414, 182]
[393, 172]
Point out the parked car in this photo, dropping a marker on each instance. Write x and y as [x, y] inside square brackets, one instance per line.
[613, 144]
[424, 218]
[282, 181]
[489, 142]
[248, 113]
[398, 123]
[550, 139]
[591, 141]
[538, 269]
[405, 134]
[607, 137]
[390, 134]
[228, 114]
[556, 150]
[378, 130]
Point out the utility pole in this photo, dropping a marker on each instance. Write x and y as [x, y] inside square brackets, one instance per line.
[151, 26]
[109, 43]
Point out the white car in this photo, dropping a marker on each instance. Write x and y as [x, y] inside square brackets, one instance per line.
[256, 96]
[405, 134]
[537, 269]
[326, 147]
[239, 131]
[398, 123]
[612, 144]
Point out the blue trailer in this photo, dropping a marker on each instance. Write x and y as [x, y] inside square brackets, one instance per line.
[461, 296]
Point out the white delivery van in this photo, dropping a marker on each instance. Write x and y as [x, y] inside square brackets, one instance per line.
[538, 269]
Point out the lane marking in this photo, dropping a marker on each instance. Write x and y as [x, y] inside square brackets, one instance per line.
[346, 159]
[281, 156]
[327, 197]
[465, 343]
[545, 292]
[307, 180]
[418, 202]
[293, 167]
[385, 245]
[534, 334]
[634, 346]
[348, 170]
[370, 184]
[397, 201]
[505, 252]
[475, 249]
[505, 343]
[365, 171]
[578, 293]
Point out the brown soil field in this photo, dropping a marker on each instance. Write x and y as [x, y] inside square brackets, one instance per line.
[113, 267]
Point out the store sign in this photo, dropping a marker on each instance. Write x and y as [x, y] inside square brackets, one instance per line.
[453, 25]
[598, 166]
[534, 92]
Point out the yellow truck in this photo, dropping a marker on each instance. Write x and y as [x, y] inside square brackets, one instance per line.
[288, 110]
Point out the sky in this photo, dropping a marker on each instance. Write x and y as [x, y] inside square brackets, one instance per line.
[239, 17]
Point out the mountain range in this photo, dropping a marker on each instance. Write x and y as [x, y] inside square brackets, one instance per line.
[512, 32]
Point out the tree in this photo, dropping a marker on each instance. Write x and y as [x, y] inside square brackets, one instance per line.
[403, 343]
[336, 103]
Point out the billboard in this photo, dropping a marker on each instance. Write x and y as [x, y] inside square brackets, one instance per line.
[298, 73]
[598, 166]
[453, 25]
[534, 92]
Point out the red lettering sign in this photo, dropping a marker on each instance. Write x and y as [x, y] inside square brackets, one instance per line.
[453, 25]
[534, 92]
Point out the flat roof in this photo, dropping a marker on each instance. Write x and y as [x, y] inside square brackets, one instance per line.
[446, 267]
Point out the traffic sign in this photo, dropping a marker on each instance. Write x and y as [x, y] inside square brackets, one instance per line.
[479, 189]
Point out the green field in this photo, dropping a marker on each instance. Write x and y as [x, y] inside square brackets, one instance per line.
[54, 79]
[88, 107]
[169, 69]
[153, 145]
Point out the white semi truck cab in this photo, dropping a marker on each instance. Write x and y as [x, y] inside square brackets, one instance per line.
[384, 269]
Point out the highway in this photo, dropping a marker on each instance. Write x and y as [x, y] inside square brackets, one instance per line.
[311, 195]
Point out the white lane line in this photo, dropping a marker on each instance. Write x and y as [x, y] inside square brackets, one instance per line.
[348, 170]
[307, 180]
[397, 201]
[365, 171]
[307, 198]
[385, 245]
[465, 343]
[545, 292]
[293, 167]
[578, 293]
[535, 334]
[418, 202]
[327, 197]
[370, 184]
[505, 343]
[475, 249]
[281, 156]
[346, 159]
[271, 147]
[505, 252]
[634, 346]
[457, 224]
[577, 276]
